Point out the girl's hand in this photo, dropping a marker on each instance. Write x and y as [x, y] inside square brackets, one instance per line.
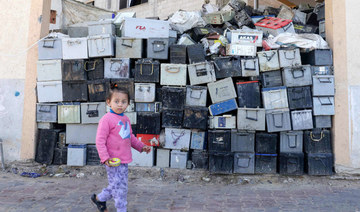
[146, 149]
[107, 163]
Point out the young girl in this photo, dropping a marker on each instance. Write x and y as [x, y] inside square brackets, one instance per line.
[114, 139]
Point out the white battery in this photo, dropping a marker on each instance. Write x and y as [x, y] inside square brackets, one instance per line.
[278, 120]
[87, 135]
[289, 57]
[275, 26]
[222, 122]
[178, 159]
[145, 28]
[251, 119]
[46, 112]
[101, 45]
[243, 49]
[74, 48]
[247, 36]
[76, 155]
[117, 68]
[177, 138]
[132, 117]
[201, 73]
[163, 158]
[49, 91]
[250, 67]
[49, 70]
[323, 85]
[173, 74]
[323, 105]
[196, 95]
[92, 112]
[268, 60]
[198, 139]
[145, 92]
[297, 76]
[275, 98]
[50, 48]
[101, 27]
[302, 119]
[142, 158]
[222, 90]
[69, 113]
[129, 47]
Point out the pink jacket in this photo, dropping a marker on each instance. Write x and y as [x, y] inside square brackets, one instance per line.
[114, 138]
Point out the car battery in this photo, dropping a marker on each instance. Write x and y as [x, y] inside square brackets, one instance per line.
[76, 155]
[46, 112]
[49, 91]
[278, 120]
[144, 28]
[319, 163]
[101, 45]
[301, 29]
[117, 68]
[222, 122]
[94, 69]
[251, 119]
[127, 84]
[149, 139]
[247, 36]
[74, 91]
[244, 163]
[197, 33]
[178, 54]
[227, 67]
[177, 139]
[49, 70]
[218, 18]
[158, 48]
[322, 121]
[78, 30]
[145, 92]
[173, 74]
[322, 31]
[250, 67]
[69, 113]
[268, 60]
[46, 141]
[147, 70]
[242, 141]
[92, 112]
[299, 97]
[219, 140]
[195, 117]
[266, 143]
[297, 76]
[148, 107]
[173, 97]
[195, 53]
[275, 98]
[50, 48]
[291, 163]
[198, 139]
[73, 70]
[323, 85]
[200, 159]
[248, 94]
[74, 48]
[172, 37]
[98, 90]
[92, 155]
[87, 135]
[201, 73]
[221, 90]
[291, 142]
[243, 49]
[178, 159]
[60, 156]
[271, 79]
[221, 162]
[322, 70]
[129, 47]
[323, 105]
[318, 57]
[265, 163]
[172, 118]
[186, 40]
[163, 158]
[196, 95]
[142, 159]
[275, 26]
[100, 27]
[148, 123]
[223, 107]
[301, 119]
[289, 57]
[317, 141]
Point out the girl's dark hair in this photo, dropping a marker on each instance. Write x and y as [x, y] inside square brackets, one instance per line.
[114, 87]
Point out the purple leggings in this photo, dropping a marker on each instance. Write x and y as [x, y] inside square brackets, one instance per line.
[117, 188]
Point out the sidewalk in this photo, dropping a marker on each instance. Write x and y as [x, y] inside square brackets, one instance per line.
[151, 189]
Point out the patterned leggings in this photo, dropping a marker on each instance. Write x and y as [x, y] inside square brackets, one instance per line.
[117, 188]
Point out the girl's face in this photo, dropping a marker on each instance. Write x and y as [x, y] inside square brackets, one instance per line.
[119, 102]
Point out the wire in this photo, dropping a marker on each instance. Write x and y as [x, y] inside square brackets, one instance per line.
[17, 54]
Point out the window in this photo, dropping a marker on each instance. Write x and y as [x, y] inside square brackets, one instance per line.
[130, 3]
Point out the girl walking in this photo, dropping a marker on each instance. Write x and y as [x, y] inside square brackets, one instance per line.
[114, 139]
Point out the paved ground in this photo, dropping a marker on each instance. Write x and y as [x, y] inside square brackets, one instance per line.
[150, 189]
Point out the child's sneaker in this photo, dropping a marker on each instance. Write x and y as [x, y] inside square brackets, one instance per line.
[100, 205]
